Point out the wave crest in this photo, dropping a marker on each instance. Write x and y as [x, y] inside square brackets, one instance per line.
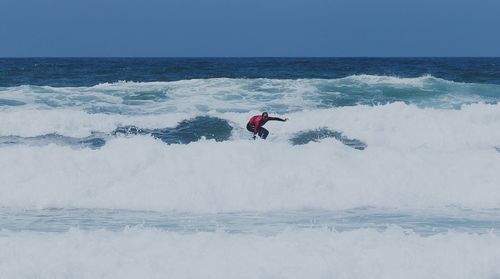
[243, 95]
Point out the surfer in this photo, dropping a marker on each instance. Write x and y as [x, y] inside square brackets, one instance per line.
[256, 122]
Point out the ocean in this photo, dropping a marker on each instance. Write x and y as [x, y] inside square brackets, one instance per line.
[143, 168]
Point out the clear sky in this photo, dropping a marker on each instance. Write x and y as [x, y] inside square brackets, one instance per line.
[228, 28]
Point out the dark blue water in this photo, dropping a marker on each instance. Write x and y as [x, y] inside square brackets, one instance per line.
[316, 135]
[91, 71]
[186, 131]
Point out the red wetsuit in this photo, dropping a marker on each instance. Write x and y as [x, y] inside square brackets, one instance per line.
[256, 122]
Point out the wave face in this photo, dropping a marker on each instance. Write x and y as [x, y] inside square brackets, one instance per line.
[186, 131]
[391, 164]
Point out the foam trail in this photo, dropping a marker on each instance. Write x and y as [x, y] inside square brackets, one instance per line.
[134, 253]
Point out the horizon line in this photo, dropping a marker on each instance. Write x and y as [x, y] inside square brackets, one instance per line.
[231, 57]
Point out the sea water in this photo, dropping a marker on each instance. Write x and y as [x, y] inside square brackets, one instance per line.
[143, 168]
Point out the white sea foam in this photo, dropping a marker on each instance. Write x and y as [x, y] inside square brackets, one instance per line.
[320, 253]
[394, 126]
[77, 123]
[144, 173]
[401, 126]
[393, 80]
[242, 95]
[416, 157]
[188, 96]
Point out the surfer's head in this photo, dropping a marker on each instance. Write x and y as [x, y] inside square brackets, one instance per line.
[264, 115]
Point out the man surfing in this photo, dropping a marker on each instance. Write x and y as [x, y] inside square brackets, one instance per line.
[256, 122]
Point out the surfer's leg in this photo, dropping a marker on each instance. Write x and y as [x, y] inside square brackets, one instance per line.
[250, 127]
[263, 133]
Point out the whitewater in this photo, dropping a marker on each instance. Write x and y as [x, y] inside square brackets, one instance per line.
[415, 157]
[372, 176]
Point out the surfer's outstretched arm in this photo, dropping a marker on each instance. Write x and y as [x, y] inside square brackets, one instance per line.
[277, 118]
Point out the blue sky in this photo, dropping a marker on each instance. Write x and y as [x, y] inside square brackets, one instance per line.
[228, 28]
